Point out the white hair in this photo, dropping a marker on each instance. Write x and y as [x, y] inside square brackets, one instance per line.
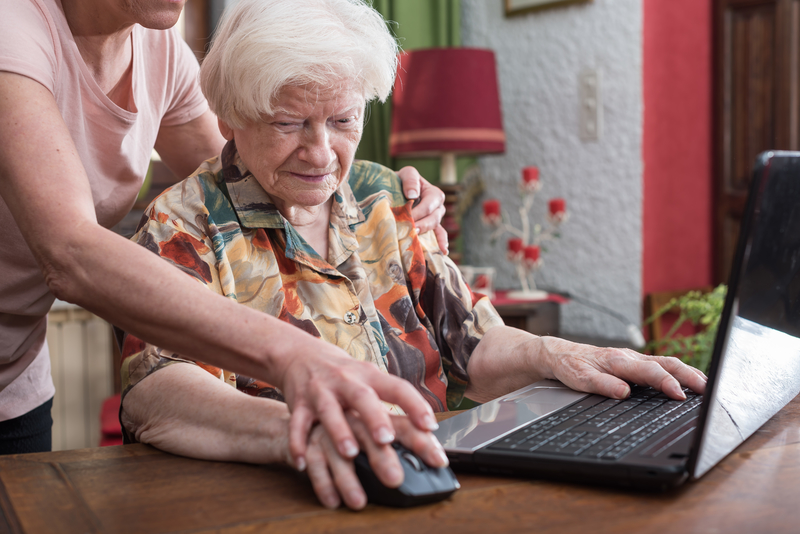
[262, 46]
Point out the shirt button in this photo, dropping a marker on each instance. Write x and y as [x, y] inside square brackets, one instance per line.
[350, 318]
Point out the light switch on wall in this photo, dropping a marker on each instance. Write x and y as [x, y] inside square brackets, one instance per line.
[591, 106]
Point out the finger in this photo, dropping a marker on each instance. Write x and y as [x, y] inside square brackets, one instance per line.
[431, 204]
[396, 391]
[332, 418]
[688, 376]
[365, 401]
[383, 458]
[645, 371]
[411, 182]
[429, 222]
[441, 237]
[320, 477]
[344, 478]
[422, 443]
[299, 427]
[601, 383]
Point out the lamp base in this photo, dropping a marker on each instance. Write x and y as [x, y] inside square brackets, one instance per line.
[527, 295]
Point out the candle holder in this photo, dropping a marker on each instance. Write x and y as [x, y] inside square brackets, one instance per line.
[524, 249]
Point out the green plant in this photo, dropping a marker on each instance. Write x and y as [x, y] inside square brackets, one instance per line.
[700, 310]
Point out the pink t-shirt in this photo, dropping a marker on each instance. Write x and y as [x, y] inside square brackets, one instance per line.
[114, 145]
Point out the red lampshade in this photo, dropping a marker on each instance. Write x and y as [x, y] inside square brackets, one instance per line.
[446, 100]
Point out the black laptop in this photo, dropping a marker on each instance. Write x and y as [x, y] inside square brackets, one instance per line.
[650, 441]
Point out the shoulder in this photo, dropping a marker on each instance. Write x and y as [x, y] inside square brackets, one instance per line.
[368, 179]
[29, 40]
[200, 195]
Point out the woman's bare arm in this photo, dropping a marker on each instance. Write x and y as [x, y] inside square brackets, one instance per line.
[507, 359]
[46, 188]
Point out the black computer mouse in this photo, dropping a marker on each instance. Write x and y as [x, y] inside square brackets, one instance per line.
[421, 485]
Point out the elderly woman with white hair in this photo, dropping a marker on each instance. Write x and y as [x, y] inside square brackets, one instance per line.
[273, 224]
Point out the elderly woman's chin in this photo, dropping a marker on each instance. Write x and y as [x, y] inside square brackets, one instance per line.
[299, 191]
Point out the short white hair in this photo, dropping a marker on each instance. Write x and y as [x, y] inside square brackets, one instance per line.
[261, 46]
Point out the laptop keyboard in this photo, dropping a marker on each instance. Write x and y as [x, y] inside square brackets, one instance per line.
[601, 428]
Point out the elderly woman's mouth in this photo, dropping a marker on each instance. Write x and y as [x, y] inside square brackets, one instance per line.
[312, 177]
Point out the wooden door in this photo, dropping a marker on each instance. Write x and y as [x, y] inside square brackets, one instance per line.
[757, 102]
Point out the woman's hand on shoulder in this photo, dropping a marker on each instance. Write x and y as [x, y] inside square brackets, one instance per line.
[429, 211]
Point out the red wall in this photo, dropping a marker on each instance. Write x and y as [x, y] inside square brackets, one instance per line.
[677, 251]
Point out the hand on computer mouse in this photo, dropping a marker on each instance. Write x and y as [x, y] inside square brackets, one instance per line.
[333, 476]
[422, 484]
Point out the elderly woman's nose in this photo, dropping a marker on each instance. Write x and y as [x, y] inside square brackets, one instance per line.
[317, 149]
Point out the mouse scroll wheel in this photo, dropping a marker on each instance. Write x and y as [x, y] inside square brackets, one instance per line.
[413, 460]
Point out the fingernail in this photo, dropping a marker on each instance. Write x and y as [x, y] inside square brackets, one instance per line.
[416, 230]
[349, 448]
[443, 460]
[384, 436]
[412, 194]
[623, 392]
[301, 464]
[430, 423]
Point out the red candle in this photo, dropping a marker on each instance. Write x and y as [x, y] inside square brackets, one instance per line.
[530, 175]
[491, 208]
[515, 245]
[558, 206]
[532, 253]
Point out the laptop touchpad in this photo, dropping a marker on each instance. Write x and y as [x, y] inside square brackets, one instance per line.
[475, 428]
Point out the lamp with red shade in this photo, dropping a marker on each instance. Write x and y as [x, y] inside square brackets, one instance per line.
[446, 103]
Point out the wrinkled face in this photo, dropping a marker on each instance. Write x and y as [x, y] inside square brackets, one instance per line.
[303, 152]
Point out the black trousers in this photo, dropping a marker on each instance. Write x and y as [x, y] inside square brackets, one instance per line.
[31, 432]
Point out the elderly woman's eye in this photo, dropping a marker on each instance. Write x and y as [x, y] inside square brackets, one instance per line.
[346, 122]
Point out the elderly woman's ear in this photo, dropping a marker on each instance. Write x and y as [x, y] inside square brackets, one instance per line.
[225, 130]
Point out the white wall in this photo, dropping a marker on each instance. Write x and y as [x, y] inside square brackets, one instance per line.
[540, 57]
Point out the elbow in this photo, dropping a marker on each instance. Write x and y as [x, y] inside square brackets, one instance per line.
[61, 267]
[60, 282]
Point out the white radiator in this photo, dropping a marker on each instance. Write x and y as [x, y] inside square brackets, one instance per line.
[82, 366]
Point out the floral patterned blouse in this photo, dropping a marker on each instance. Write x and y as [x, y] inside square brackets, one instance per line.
[387, 295]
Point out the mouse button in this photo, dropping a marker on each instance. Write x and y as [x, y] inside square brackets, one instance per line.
[415, 482]
[412, 459]
[443, 479]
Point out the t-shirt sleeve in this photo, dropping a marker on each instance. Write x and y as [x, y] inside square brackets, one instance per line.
[28, 41]
[186, 101]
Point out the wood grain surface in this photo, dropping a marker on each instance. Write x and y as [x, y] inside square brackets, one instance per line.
[135, 488]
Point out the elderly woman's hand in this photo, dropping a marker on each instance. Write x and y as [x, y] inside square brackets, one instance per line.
[507, 359]
[333, 476]
[430, 210]
[606, 370]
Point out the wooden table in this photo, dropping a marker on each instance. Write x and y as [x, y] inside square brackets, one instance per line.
[135, 488]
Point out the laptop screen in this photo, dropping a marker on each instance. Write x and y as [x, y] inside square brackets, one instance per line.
[755, 370]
